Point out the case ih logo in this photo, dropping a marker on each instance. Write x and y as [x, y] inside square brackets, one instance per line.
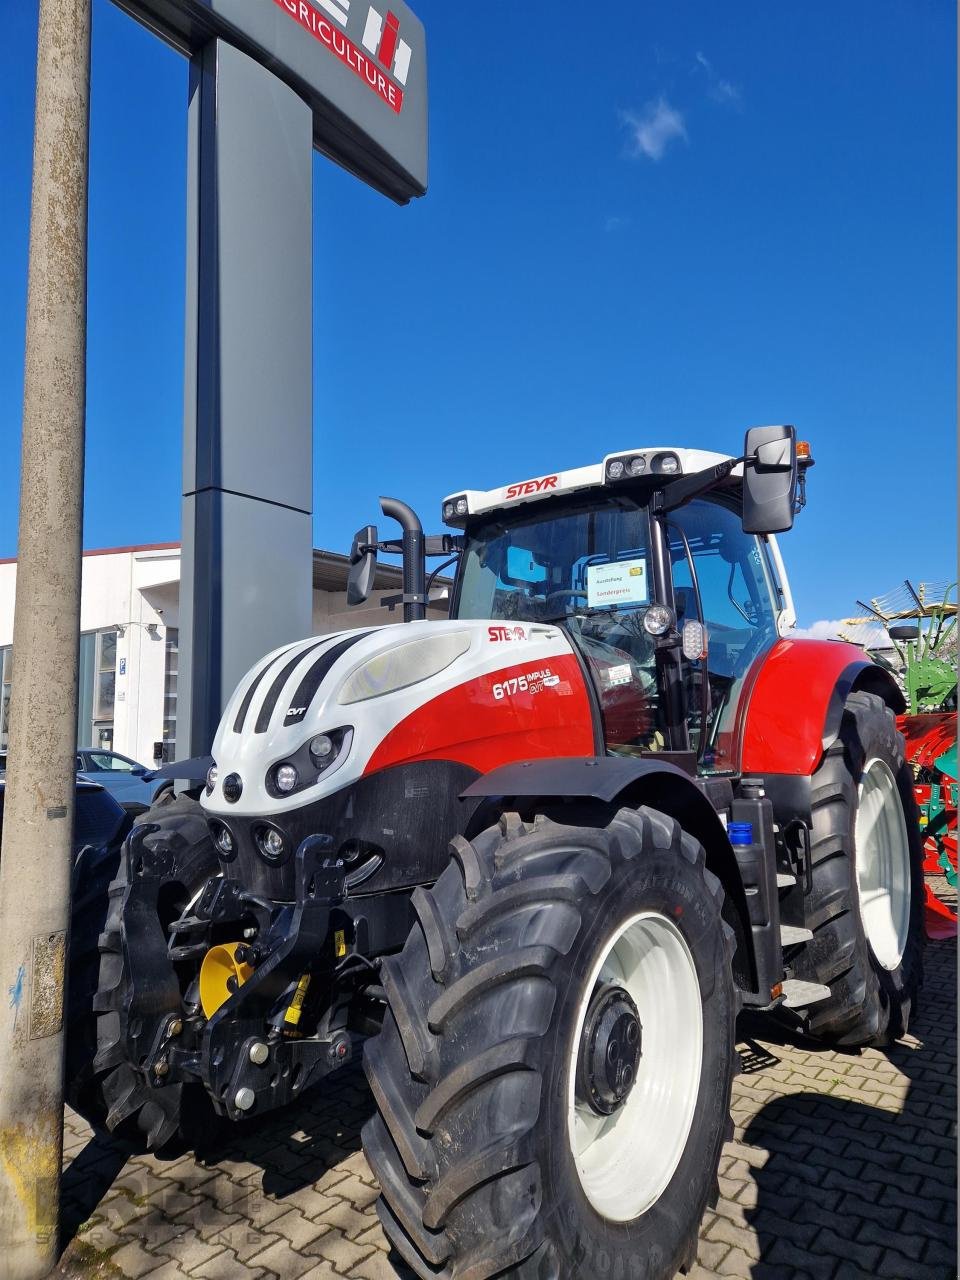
[506, 633]
[381, 38]
[531, 486]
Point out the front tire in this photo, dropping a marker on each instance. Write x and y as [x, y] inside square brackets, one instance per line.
[487, 1075]
[101, 1084]
[865, 906]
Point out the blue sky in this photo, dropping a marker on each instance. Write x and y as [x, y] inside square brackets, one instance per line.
[703, 225]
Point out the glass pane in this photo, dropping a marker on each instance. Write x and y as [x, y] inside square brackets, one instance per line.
[587, 568]
[737, 608]
[111, 763]
[108, 650]
[106, 681]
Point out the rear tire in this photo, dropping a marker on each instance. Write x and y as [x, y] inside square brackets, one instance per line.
[482, 1166]
[868, 938]
[105, 1088]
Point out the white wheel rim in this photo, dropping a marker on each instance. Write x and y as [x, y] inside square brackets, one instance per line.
[625, 1161]
[883, 864]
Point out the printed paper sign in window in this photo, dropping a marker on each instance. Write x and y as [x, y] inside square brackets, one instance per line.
[622, 582]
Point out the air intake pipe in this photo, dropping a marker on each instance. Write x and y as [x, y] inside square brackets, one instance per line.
[414, 558]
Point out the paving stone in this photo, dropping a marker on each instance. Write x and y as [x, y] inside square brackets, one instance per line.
[298, 1229]
[711, 1252]
[99, 1235]
[726, 1232]
[227, 1266]
[168, 1271]
[736, 1263]
[190, 1251]
[344, 1217]
[791, 1259]
[133, 1260]
[286, 1262]
[897, 1266]
[843, 1166]
[360, 1194]
[336, 1248]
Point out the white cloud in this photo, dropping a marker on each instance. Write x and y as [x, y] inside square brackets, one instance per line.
[654, 129]
[720, 90]
[615, 222]
[824, 629]
[867, 633]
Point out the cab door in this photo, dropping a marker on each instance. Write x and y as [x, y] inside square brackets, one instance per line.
[721, 579]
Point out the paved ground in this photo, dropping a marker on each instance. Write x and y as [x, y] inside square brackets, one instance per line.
[842, 1166]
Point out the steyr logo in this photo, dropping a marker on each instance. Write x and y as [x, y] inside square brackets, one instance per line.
[497, 634]
[531, 486]
[381, 39]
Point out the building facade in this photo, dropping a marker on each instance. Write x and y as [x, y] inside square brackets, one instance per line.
[129, 640]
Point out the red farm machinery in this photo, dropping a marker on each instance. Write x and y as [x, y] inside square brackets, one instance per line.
[912, 632]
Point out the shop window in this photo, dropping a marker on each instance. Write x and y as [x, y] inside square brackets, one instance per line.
[171, 666]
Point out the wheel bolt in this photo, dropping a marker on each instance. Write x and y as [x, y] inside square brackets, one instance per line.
[244, 1099]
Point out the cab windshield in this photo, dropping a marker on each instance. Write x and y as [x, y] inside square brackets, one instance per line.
[590, 570]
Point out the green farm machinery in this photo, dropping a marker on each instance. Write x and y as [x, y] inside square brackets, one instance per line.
[912, 632]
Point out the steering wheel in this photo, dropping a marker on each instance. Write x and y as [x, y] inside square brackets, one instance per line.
[566, 594]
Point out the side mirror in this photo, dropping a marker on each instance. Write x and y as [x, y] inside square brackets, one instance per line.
[904, 631]
[363, 564]
[769, 479]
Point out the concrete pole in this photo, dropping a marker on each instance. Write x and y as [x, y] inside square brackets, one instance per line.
[38, 810]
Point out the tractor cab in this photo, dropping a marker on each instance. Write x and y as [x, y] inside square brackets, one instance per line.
[661, 566]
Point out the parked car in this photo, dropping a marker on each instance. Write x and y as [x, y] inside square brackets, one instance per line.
[99, 819]
[132, 784]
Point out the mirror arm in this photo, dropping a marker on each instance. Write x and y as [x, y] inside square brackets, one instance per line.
[689, 487]
[441, 544]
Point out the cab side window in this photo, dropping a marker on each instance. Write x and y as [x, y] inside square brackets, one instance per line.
[738, 610]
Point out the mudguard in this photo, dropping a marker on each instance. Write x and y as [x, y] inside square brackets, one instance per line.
[631, 781]
[793, 709]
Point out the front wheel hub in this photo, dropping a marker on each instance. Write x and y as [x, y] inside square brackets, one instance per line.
[610, 1050]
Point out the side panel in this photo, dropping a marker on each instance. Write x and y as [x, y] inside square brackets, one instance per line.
[794, 708]
[523, 711]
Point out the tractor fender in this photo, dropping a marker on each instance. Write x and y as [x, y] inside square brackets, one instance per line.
[610, 782]
[795, 702]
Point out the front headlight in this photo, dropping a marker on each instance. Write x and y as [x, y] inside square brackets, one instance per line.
[400, 667]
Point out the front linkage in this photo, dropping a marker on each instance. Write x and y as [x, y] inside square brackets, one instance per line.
[250, 1052]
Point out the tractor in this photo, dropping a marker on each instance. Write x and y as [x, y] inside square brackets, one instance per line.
[531, 860]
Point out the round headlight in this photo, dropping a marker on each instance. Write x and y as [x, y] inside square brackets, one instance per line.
[658, 620]
[667, 464]
[270, 843]
[638, 466]
[461, 506]
[232, 787]
[321, 749]
[224, 842]
[285, 778]
[211, 777]
[448, 511]
[614, 469]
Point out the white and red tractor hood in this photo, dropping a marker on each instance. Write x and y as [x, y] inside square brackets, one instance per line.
[477, 693]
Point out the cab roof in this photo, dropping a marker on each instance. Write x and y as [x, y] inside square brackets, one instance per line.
[459, 506]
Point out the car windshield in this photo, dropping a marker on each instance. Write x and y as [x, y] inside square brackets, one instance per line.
[589, 568]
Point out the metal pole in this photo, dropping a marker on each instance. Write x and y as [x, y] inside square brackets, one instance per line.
[35, 860]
